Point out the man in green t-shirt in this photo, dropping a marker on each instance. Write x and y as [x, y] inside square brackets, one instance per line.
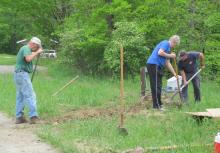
[24, 88]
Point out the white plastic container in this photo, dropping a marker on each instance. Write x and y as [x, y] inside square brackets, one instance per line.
[172, 83]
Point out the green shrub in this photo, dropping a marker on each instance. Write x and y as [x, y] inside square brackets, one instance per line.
[128, 36]
[82, 50]
[212, 60]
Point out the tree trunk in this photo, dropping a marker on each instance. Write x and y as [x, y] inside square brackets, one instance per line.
[110, 20]
[13, 42]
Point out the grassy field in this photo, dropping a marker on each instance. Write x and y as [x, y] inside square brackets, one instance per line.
[7, 59]
[84, 118]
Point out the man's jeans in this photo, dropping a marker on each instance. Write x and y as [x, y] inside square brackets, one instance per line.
[24, 94]
[196, 88]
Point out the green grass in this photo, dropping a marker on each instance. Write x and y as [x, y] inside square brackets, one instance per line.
[7, 59]
[100, 134]
[143, 131]
[173, 127]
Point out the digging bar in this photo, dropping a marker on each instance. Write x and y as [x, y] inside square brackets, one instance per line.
[35, 68]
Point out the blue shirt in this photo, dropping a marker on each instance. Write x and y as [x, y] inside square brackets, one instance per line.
[155, 58]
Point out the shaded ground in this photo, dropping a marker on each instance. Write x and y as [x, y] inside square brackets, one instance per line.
[20, 138]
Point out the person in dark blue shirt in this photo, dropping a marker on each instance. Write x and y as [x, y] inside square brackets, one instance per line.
[160, 58]
[188, 66]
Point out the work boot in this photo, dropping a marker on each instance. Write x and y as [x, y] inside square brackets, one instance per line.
[20, 120]
[34, 120]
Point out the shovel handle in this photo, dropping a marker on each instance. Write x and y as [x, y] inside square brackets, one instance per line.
[191, 78]
[187, 83]
[177, 79]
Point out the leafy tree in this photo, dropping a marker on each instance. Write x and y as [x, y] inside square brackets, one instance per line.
[84, 36]
[128, 36]
[24, 19]
[89, 29]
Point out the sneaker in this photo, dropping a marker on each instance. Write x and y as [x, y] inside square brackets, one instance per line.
[156, 109]
[20, 120]
[34, 120]
[162, 109]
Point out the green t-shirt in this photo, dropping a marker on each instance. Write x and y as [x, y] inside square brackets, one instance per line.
[21, 64]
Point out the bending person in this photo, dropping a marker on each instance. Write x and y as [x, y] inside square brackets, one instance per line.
[188, 67]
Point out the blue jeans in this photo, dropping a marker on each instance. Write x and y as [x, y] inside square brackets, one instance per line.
[196, 88]
[24, 94]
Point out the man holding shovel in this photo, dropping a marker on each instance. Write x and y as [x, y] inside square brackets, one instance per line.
[188, 67]
[24, 88]
[160, 58]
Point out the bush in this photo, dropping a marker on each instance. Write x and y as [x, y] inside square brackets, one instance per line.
[126, 34]
[212, 60]
[83, 51]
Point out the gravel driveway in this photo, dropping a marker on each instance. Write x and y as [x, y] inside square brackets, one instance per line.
[4, 69]
[20, 138]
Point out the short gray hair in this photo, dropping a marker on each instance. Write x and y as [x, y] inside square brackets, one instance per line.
[175, 38]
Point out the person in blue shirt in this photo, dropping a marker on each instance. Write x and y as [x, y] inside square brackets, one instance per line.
[160, 58]
[188, 66]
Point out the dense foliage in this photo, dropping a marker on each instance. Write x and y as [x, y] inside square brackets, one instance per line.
[126, 37]
[89, 30]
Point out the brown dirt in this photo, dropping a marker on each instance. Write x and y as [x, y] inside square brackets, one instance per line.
[140, 107]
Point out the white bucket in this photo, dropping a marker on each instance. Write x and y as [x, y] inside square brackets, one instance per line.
[172, 83]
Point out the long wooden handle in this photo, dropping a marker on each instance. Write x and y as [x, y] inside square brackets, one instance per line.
[122, 86]
[177, 79]
[164, 148]
[67, 84]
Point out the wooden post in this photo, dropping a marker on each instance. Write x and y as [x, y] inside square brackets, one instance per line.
[121, 125]
[143, 80]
